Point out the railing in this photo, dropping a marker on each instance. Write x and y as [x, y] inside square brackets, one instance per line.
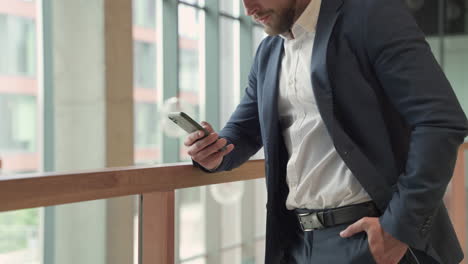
[157, 185]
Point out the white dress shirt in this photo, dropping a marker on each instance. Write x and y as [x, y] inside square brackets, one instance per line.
[316, 175]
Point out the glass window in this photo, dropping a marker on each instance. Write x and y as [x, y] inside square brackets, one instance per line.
[18, 130]
[191, 228]
[148, 133]
[191, 202]
[17, 48]
[230, 7]
[229, 64]
[231, 226]
[19, 230]
[191, 77]
[18, 90]
[258, 34]
[144, 70]
[19, 237]
[144, 13]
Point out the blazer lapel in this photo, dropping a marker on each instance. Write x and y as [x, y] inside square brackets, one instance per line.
[270, 95]
[329, 12]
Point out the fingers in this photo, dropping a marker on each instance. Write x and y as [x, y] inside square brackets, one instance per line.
[208, 150]
[218, 154]
[193, 137]
[207, 126]
[199, 145]
[357, 227]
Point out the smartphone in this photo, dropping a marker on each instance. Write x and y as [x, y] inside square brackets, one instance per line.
[188, 124]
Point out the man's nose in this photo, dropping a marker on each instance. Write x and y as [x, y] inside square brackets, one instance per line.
[251, 7]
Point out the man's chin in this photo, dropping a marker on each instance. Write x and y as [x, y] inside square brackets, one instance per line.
[274, 29]
[270, 31]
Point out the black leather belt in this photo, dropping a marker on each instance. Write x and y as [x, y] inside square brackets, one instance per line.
[318, 219]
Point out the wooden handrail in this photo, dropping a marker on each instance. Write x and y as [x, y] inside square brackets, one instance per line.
[157, 184]
[46, 189]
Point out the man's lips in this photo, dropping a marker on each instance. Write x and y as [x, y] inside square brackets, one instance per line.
[263, 19]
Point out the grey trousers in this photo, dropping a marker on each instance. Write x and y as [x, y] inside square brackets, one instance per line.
[327, 247]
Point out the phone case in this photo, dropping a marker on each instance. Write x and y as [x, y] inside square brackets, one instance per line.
[186, 122]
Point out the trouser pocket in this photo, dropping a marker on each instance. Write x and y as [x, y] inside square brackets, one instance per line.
[367, 254]
[409, 258]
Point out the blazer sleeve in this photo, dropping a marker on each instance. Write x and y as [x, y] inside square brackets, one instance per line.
[243, 127]
[417, 87]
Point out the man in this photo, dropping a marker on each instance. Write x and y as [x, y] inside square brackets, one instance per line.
[360, 130]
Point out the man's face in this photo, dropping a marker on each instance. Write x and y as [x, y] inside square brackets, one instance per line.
[277, 16]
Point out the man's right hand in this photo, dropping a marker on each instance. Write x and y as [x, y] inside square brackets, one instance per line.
[206, 151]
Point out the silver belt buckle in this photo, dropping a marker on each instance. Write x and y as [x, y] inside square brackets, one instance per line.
[309, 222]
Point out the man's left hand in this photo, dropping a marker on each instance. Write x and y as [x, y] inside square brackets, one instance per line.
[384, 248]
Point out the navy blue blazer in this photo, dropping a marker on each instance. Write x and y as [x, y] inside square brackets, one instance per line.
[389, 109]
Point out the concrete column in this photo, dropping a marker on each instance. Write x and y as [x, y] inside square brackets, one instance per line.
[93, 124]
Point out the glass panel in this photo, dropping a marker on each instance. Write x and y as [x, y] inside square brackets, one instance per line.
[145, 64]
[260, 207]
[231, 256]
[258, 35]
[144, 13]
[148, 133]
[191, 226]
[19, 236]
[18, 89]
[191, 57]
[456, 66]
[18, 130]
[229, 63]
[260, 251]
[17, 48]
[92, 231]
[230, 7]
[229, 195]
[19, 230]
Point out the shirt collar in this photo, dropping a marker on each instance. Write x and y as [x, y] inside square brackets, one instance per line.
[307, 22]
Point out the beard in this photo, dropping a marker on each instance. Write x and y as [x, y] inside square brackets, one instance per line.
[280, 21]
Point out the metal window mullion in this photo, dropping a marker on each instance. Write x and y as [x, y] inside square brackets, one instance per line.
[212, 64]
[245, 46]
[441, 30]
[168, 60]
[226, 15]
[46, 101]
[212, 109]
[191, 5]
